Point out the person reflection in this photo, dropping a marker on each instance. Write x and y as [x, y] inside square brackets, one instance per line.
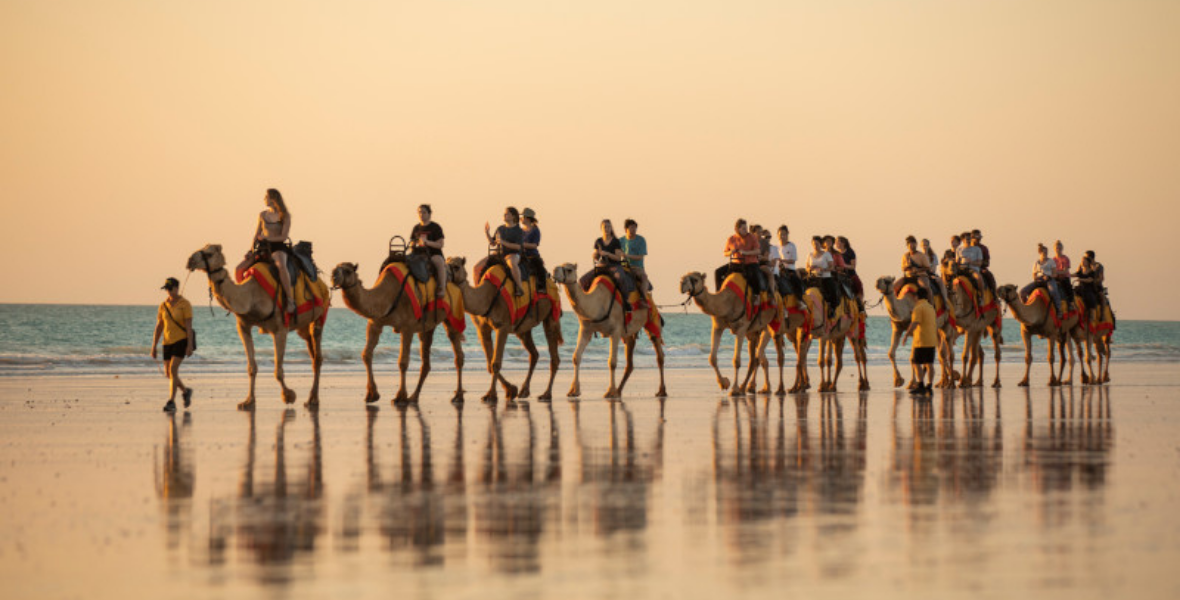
[1069, 451]
[175, 475]
[273, 521]
[616, 480]
[514, 501]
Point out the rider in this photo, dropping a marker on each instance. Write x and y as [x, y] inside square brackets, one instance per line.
[970, 258]
[765, 271]
[985, 266]
[1085, 286]
[531, 244]
[1062, 264]
[849, 256]
[427, 238]
[634, 251]
[743, 249]
[1044, 273]
[936, 268]
[274, 227]
[915, 267]
[608, 256]
[838, 267]
[784, 262]
[507, 240]
[820, 265]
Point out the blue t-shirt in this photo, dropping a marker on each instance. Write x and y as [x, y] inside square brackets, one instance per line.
[637, 246]
[532, 236]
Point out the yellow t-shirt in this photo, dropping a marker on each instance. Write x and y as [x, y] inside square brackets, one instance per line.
[926, 334]
[174, 330]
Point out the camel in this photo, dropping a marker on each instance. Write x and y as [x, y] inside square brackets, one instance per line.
[490, 313]
[796, 327]
[1035, 319]
[975, 325]
[377, 306]
[1098, 337]
[831, 341]
[728, 310]
[597, 313]
[255, 307]
[899, 310]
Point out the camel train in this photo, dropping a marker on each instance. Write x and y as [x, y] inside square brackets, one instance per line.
[405, 299]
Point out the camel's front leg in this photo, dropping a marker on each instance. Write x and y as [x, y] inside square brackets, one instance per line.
[750, 383]
[715, 344]
[968, 358]
[821, 361]
[629, 343]
[315, 348]
[737, 388]
[372, 337]
[280, 339]
[802, 345]
[838, 350]
[894, 340]
[425, 341]
[612, 362]
[457, 346]
[530, 346]
[763, 361]
[403, 363]
[251, 364]
[779, 346]
[1026, 337]
[584, 336]
[1054, 380]
[498, 366]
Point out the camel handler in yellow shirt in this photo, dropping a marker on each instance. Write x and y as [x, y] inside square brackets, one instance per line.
[174, 320]
[923, 320]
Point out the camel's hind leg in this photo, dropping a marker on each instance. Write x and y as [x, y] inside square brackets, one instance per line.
[714, 345]
[779, 346]
[838, 350]
[553, 338]
[497, 369]
[629, 343]
[894, 340]
[280, 340]
[460, 358]
[403, 364]
[738, 385]
[315, 348]
[251, 364]
[658, 344]
[612, 363]
[372, 337]
[1026, 337]
[530, 346]
[425, 341]
[584, 336]
[997, 340]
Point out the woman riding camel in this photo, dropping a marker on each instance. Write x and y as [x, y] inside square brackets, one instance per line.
[819, 267]
[849, 256]
[427, 238]
[530, 244]
[508, 241]
[1044, 274]
[743, 249]
[608, 256]
[271, 234]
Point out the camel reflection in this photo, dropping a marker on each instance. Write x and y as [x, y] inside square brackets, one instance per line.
[764, 474]
[272, 521]
[956, 458]
[1071, 448]
[515, 499]
[174, 477]
[615, 481]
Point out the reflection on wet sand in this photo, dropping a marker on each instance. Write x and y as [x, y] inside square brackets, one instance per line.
[615, 481]
[958, 458]
[271, 521]
[764, 475]
[1069, 451]
[174, 477]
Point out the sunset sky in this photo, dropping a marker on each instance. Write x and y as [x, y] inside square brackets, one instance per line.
[132, 133]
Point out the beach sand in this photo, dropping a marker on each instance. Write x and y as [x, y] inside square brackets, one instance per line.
[1070, 492]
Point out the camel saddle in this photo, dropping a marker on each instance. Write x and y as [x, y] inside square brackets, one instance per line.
[301, 260]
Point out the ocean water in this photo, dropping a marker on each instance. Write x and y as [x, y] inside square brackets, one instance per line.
[78, 339]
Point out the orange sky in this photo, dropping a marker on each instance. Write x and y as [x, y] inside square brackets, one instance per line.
[131, 133]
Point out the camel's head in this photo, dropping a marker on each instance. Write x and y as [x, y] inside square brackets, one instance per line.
[207, 259]
[567, 273]
[345, 275]
[1007, 292]
[457, 270]
[885, 284]
[693, 283]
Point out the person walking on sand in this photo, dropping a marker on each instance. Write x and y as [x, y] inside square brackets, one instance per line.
[923, 322]
[174, 320]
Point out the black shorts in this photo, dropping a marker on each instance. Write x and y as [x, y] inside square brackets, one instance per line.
[175, 350]
[922, 356]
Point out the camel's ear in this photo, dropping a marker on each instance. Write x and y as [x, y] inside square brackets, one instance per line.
[463, 261]
[215, 247]
[355, 267]
[574, 267]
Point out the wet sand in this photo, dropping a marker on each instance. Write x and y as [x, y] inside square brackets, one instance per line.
[1070, 492]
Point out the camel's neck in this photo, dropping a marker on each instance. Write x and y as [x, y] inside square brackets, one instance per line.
[234, 297]
[1031, 315]
[718, 305]
[587, 305]
[899, 310]
[371, 303]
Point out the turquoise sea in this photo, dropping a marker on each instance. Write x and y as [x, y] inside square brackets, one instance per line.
[73, 339]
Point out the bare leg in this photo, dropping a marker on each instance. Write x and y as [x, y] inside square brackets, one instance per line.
[280, 260]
